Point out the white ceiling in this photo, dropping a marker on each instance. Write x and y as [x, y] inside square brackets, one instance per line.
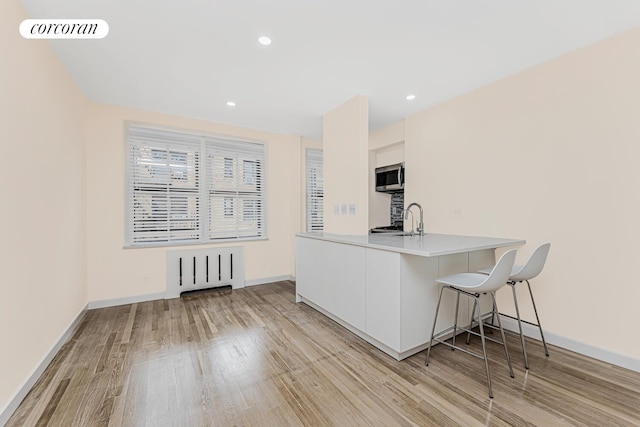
[188, 57]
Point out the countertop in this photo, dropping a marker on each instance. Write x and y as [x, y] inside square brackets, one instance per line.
[429, 245]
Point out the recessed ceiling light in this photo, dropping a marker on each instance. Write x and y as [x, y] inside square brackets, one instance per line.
[411, 97]
[264, 40]
[231, 103]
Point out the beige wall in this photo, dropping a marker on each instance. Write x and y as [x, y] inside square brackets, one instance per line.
[114, 272]
[345, 144]
[42, 256]
[389, 135]
[550, 154]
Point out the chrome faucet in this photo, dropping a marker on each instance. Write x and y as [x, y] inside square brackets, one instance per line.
[421, 223]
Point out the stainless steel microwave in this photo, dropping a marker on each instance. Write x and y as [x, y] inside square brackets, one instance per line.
[390, 179]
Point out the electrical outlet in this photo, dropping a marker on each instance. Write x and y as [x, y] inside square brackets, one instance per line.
[344, 209]
[457, 212]
[352, 209]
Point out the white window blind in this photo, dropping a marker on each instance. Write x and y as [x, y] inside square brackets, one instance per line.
[234, 189]
[164, 186]
[185, 187]
[315, 193]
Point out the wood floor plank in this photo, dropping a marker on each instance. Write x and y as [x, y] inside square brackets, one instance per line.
[129, 325]
[253, 357]
[53, 403]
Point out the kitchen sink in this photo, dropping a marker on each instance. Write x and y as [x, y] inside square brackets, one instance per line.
[401, 233]
[391, 231]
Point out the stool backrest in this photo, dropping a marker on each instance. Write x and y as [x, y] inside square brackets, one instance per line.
[499, 274]
[534, 265]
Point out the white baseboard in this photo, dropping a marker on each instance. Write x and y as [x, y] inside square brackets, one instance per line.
[126, 300]
[264, 280]
[573, 345]
[9, 409]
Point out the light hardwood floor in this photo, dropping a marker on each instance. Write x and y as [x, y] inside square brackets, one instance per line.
[253, 357]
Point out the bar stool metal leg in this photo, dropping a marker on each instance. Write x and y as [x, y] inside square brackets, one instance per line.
[493, 316]
[455, 321]
[473, 313]
[484, 345]
[504, 341]
[515, 302]
[433, 328]
[535, 310]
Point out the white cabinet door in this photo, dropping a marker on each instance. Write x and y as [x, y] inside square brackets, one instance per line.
[419, 295]
[383, 297]
[347, 283]
[332, 276]
[311, 270]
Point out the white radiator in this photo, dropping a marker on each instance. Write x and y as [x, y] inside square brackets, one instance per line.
[195, 269]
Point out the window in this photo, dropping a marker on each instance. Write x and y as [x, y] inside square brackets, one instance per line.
[245, 161]
[315, 191]
[185, 187]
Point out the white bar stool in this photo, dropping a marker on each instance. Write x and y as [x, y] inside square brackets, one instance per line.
[473, 285]
[524, 273]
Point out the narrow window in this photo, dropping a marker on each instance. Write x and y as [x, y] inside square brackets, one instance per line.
[314, 188]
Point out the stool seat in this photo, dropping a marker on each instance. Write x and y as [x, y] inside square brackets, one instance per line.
[467, 281]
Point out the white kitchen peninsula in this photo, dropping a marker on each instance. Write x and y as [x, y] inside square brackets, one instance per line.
[382, 287]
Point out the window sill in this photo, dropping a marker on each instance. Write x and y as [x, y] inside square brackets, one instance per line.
[198, 243]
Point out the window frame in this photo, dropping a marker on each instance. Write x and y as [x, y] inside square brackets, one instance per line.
[203, 189]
